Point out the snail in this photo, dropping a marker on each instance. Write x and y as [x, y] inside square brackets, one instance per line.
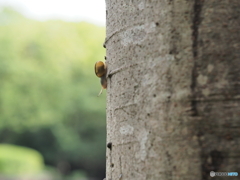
[101, 72]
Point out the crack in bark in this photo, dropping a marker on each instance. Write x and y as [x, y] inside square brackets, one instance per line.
[197, 8]
[119, 31]
[125, 67]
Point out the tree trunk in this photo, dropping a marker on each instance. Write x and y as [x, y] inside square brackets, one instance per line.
[173, 104]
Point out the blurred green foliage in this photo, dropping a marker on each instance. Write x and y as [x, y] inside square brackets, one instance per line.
[19, 160]
[48, 92]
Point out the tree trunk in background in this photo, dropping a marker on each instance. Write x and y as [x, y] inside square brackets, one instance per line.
[173, 104]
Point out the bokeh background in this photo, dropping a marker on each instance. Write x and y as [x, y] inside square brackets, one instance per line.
[52, 124]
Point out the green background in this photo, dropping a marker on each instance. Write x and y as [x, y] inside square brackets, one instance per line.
[48, 94]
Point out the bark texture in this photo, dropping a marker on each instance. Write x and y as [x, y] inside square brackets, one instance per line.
[173, 97]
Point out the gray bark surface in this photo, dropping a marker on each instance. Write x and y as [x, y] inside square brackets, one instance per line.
[173, 90]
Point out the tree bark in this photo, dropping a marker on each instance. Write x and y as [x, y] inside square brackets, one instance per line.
[173, 89]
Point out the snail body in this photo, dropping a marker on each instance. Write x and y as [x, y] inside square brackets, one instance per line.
[101, 72]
